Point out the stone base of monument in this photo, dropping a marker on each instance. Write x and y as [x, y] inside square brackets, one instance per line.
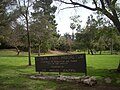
[87, 80]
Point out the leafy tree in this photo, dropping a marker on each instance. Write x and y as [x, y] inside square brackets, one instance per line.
[89, 32]
[117, 44]
[64, 43]
[80, 41]
[40, 35]
[43, 26]
[75, 25]
[111, 36]
[107, 31]
[7, 16]
[54, 40]
[100, 44]
[14, 38]
[68, 42]
[4, 18]
[24, 9]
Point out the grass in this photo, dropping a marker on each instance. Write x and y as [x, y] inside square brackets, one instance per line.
[15, 72]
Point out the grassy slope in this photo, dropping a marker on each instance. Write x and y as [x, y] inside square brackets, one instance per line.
[14, 72]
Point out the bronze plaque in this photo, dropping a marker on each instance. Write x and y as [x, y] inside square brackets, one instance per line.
[63, 63]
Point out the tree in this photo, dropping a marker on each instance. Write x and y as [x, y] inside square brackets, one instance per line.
[68, 42]
[106, 33]
[109, 8]
[7, 16]
[64, 43]
[100, 44]
[90, 31]
[20, 10]
[54, 40]
[75, 25]
[43, 26]
[111, 36]
[23, 6]
[102, 33]
[14, 37]
[72, 26]
[81, 42]
[117, 44]
[40, 34]
[4, 18]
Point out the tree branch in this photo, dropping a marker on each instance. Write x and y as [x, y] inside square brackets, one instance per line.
[113, 11]
[108, 2]
[95, 3]
[114, 1]
[102, 3]
[76, 3]
[67, 8]
[105, 12]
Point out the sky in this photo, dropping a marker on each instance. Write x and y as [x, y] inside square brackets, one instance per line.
[62, 18]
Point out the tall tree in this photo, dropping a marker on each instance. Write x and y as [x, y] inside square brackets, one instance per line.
[24, 8]
[43, 25]
[7, 15]
[75, 25]
[20, 9]
[90, 31]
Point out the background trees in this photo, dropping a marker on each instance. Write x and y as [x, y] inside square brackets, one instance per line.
[18, 24]
[32, 23]
[97, 36]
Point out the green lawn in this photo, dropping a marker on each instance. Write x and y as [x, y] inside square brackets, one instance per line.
[15, 72]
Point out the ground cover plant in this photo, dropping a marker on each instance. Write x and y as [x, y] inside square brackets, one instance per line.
[15, 72]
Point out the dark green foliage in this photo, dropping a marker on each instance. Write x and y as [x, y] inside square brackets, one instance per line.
[97, 36]
[117, 44]
[43, 27]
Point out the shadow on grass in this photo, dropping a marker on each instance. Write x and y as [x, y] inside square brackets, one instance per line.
[16, 56]
[91, 71]
[16, 70]
[16, 77]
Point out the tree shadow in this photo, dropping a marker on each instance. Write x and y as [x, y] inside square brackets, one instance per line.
[14, 71]
[16, 56]
[105, 73]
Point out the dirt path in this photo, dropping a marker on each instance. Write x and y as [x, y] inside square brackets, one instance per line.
[56, 52]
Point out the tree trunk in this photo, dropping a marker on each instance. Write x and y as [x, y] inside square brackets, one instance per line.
[18, 51]
[88, 51]
[111, 46]
[118, 69]
[117, 24]
[91, 51]
[100, 52]
[29, 44]
[39, 50]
